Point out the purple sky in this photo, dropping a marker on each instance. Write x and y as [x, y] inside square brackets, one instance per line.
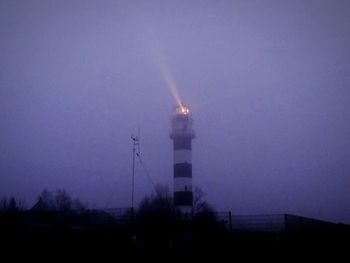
[268, 84]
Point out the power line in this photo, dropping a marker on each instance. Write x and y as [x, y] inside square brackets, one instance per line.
[146, 170]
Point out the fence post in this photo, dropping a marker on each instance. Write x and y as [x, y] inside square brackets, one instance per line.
[229, 221]
[285, 223]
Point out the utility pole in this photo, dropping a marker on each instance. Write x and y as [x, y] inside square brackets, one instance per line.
[135, 143]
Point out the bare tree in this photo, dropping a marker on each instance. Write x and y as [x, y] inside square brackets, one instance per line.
[199, 204]
[156, 217]
[3, 204]
[159, 201]
[60, 201]
[63, 201]
[47, 199]
[11, 205]
[78, 206]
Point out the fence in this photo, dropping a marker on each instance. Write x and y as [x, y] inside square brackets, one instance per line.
[258, 223]
[275, 223]
[116, 215]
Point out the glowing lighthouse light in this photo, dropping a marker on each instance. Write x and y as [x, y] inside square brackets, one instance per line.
[182, 110]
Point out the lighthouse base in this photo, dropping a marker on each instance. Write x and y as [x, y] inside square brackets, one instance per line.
[185, 212]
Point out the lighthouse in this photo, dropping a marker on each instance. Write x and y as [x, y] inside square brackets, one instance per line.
[182, 135]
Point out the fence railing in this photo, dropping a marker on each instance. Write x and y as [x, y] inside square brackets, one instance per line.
[275, 223]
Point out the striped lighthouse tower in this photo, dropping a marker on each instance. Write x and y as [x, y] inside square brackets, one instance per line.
[182, 135]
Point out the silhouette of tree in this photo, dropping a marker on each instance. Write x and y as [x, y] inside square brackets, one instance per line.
[160, 225]
[47, 199]
[11, 205]
[158, 204]
[60, 201]
[3, 204]
[78, 206]
[63, 201]
[156, 217]
[199, 204]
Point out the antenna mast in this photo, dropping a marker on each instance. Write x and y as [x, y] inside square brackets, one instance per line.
[135, 140]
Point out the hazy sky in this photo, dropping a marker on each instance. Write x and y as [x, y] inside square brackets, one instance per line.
[268, 84]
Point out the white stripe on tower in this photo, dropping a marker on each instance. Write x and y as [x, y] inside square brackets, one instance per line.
[182, 156]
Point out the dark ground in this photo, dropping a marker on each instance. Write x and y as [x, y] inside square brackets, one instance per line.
[182, 240]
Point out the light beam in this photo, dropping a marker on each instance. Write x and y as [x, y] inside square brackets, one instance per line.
[159, 59]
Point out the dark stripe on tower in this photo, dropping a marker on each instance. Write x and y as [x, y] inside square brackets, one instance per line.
[182, 143]
[182, 170]
[183, 198]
